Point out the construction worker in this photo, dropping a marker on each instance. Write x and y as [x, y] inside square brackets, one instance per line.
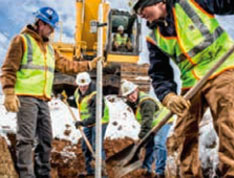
[27, 78]
[146, 109]
[187, 32]
[121, 41]
[85, 96]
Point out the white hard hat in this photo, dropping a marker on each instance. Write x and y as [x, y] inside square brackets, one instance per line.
[83, 79]
[127, 87]
[121, 27]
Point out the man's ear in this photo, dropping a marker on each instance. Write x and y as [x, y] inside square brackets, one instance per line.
[41, 23]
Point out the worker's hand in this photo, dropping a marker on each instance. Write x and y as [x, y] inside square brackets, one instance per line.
[93, 63]
[176, 103]
[79, 124]
[11, 102]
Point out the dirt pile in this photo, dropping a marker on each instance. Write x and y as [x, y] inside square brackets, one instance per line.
[7, 169]
[67, 160]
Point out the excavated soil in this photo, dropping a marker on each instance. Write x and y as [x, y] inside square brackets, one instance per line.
[67, 160]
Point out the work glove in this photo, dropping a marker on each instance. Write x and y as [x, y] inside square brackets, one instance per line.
[176, 103]
[93, 63]
[79, 124]
[11, 101]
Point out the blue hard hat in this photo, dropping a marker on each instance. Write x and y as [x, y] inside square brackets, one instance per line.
[47, 15]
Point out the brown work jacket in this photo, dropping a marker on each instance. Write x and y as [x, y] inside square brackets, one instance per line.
[15, 54]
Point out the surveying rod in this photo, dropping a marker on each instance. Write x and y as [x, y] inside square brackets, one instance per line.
[98, 161]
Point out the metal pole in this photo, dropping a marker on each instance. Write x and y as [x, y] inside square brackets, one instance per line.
[98, 161]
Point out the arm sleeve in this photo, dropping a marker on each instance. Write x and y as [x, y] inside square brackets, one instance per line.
[161, 72]
[219, 7]
[12, 63]
[68, 66]
[147, 110]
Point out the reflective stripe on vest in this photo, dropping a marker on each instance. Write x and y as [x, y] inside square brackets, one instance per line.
[200, 42]
[158, 115]
[36, 73]
[83, 107]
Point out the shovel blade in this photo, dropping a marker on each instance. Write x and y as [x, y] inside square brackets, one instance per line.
[121, 155]
[122, 171]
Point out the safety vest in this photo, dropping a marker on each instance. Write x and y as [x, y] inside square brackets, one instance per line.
[83, 106]
[158, 115]
[36, 73]
[199, 44]
[121, 40]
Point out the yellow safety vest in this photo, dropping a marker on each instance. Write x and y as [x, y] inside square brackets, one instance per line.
[199, 44]
[36, 73]
[158, 115]
[121, 40]
[84, 107]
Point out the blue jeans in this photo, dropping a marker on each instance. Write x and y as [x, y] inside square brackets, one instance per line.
[90, 133]
[156, 149]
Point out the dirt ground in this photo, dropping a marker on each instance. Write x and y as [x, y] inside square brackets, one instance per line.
[67, 160]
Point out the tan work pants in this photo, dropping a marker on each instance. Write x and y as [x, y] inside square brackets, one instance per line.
[218, 94]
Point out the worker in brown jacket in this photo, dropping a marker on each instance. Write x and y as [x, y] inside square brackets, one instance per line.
[27, 78]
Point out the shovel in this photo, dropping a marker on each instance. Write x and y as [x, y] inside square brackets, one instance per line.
[128, 159]
[85, 139]
[81, 131]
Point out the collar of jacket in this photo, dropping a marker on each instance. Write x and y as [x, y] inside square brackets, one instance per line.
[92, 88]
[30, 29]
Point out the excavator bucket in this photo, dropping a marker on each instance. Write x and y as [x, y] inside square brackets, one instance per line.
[111, 79]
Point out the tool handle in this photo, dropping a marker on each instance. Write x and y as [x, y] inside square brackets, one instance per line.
[81, 131]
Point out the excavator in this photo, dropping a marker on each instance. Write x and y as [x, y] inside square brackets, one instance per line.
[124, 63]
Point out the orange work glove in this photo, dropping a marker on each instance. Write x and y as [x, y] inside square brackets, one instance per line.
[93, 63]
[176, 103]
[11, 101]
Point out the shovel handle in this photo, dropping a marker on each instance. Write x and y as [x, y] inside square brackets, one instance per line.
[81, 131]
[190, 94]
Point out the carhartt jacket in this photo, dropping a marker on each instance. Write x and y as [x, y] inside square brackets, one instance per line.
[15, 54]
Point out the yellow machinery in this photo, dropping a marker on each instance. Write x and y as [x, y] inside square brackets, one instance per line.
[85, 46]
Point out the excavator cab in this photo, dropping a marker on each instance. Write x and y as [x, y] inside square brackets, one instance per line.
[122, 63]
[128, 52]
